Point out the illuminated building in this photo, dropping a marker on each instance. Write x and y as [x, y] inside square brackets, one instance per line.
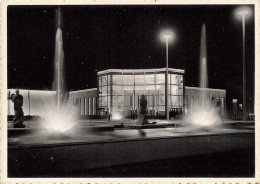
[118, 92]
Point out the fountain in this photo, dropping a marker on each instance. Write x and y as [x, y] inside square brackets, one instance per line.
[59, 115]
[203, 113]
[59, 84]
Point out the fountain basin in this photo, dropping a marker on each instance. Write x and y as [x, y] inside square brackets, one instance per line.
[12, 132]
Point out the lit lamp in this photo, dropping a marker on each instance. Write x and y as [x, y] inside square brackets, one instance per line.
[243, 13]
[167, 36]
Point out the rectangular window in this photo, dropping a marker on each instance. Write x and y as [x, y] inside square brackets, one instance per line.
[104, 80]
[103, 90]
[160, 89]
[108, 79]
[181, 90]
[150, 89]
[82, 105]
[181, 101]
[173, 90]
[117, 79]
[117, 102]
[161, 100]
[174, 79]
[180, 79]
[139, 79]
[108, 101]
[94, 106]
[150, 101]
[174, 101]
[90, 105]
[127, 101]
[99, 81]
[86, 106]
[100, 101]
[128, 79]
[128, 90]
[139, 90]
[117, 90]
[149, 79]
[104, 101]
[160, 78]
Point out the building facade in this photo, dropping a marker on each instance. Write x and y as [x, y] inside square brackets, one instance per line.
[119, 91]
[84, 101]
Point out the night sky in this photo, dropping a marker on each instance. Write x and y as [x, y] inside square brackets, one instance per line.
[97, 38]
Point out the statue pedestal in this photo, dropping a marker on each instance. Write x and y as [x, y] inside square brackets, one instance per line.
[141, 119]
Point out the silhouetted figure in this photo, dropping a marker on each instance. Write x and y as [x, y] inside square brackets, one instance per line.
[141, 119]
[17, 99]
[109, 116]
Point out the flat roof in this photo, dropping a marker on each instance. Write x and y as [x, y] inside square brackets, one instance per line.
[209, 89]
[140, 70]
[83, 90]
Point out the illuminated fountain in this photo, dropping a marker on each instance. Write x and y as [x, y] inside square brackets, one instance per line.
[203, 113]
[59, 116]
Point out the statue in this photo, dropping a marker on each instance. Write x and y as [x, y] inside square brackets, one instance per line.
[142, 119]
[17, 99]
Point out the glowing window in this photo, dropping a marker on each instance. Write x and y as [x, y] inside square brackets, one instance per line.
[180, 79]
[160, 89]
[99, 81]
[128, 79]
[104, 101]
[117, 90]
[181, 100]
[104, 80]
[174, 100]
[149, 78]
[160, 78]
[103, 90]
[128, 90]
[139, 79]
[139, 90]
[150, 89]
[117, 101]
[117, 79]
[173, 90]
[174, 79]
[108, 79]
[180, 90]
[127, 101]
[161, 99]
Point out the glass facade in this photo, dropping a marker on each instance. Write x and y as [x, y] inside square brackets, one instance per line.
[120, 90]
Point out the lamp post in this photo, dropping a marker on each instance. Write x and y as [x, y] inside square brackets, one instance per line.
[243, 13]
[167, 35]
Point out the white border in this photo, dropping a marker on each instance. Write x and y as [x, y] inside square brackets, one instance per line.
[3, 87]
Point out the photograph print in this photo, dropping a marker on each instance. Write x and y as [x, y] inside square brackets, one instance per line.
[131, 91]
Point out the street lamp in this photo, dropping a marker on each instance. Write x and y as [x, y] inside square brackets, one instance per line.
[244, 13]
[167, 36]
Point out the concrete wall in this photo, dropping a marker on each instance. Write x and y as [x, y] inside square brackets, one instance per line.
[33, 101]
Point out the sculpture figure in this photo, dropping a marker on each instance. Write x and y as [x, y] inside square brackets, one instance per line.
[17, 99]
[142, 119]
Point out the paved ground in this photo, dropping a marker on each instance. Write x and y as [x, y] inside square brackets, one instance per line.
[28, 152]
[238, 163]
